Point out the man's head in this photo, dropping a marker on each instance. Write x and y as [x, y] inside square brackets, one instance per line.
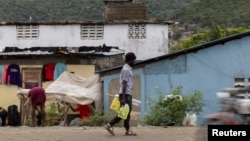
[130, 58]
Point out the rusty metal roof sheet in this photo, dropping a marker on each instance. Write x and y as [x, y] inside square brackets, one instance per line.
[85, 22]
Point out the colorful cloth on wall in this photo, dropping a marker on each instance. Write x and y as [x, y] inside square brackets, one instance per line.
[1, 73]
[59, 69]
[48, 70]
[4, 74]
[14, 75]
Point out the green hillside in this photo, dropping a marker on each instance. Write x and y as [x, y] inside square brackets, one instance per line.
[64, 10]
[164, 9]
[203, 13]
[50, 10]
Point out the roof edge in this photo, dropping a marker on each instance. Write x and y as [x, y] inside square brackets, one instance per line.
[84, 22]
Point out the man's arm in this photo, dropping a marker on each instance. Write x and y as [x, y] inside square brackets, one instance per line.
[124, 87]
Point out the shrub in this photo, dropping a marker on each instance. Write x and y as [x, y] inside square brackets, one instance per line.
[96, 119]
[173, 108]
[52, 115]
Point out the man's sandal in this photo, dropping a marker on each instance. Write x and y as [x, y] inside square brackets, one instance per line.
[109, 129]
[130, 133]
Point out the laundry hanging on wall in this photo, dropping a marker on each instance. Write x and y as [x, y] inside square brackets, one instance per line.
[48, 71]
[59, 69]
[1, 73]
[13, 75]
[4, 73]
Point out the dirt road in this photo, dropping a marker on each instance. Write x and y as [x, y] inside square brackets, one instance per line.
[58, 133]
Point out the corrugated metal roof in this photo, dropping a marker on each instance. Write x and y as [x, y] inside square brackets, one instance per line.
[42, 53]
[85, 22]
[47, 51]
[87, 55]
[27, 53]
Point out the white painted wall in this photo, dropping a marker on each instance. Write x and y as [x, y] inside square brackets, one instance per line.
[155, 44]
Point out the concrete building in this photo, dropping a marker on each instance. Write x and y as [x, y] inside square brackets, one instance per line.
[126, 26]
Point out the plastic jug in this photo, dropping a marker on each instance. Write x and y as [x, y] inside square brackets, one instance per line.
[123, 111]
[115, 105]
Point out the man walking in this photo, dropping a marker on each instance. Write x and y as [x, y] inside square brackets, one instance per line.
[125, 94]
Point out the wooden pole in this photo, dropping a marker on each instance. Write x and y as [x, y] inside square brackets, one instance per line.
[66, 114]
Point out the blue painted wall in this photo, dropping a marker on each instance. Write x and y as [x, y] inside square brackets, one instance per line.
[208, 70]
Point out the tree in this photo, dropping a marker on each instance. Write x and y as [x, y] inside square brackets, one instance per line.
[213, 33]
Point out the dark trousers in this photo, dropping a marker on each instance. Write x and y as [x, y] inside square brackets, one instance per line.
[3, 116]
[117, 119]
